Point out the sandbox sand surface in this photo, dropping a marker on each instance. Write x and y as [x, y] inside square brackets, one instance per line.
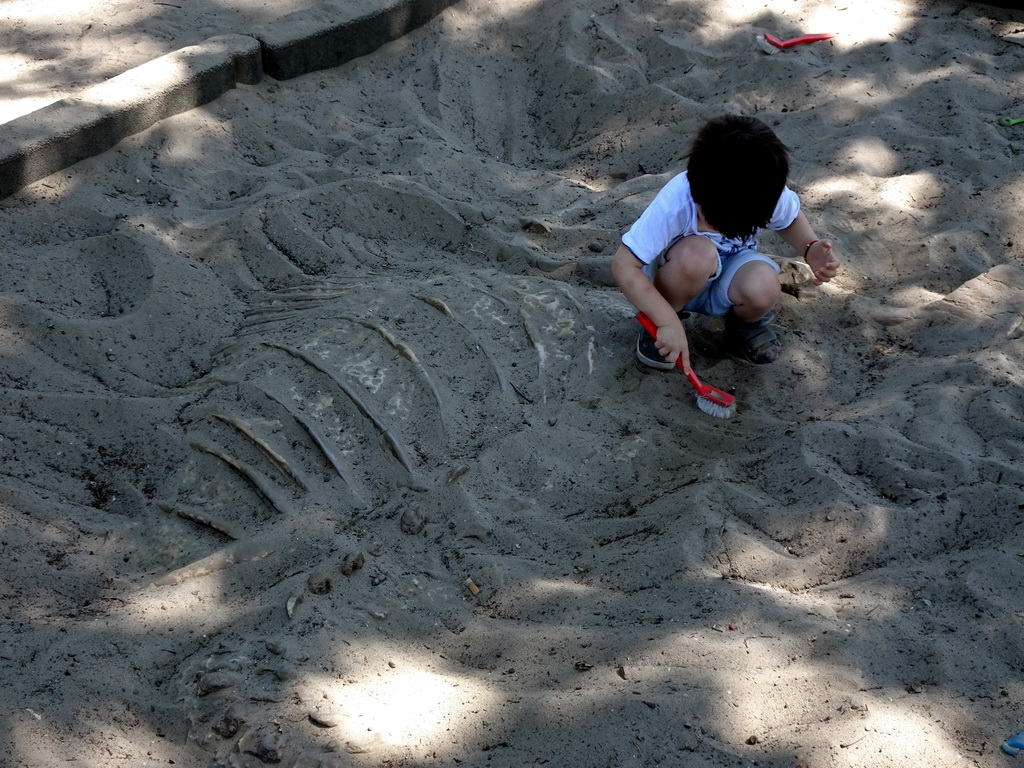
[282, 373]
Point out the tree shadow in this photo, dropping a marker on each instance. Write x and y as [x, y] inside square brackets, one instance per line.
[49, 58]
[456, 401]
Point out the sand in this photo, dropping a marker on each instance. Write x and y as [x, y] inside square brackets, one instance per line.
[324, 444]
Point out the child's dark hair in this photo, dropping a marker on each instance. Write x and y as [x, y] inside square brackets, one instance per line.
[737, 169]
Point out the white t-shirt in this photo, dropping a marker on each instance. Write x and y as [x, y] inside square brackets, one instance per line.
[673, 214]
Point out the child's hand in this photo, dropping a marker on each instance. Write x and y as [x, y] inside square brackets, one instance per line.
[671, 344]
[822, 261]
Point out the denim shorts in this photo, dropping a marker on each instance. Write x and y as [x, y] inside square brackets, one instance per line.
[713, 300]
[714, 297]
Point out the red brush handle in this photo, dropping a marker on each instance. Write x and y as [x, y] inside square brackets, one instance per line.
[704, 390]
[812, 38]
[652, 329]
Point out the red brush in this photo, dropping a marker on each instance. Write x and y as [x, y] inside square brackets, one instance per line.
[713, 402]
[772, 44]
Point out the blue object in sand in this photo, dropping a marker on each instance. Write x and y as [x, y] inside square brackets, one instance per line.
[1015, 745]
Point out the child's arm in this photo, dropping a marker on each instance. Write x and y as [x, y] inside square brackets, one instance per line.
[818, 254]
[628, 272]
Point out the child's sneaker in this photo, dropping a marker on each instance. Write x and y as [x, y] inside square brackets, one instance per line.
[648, 354]
[755, 342]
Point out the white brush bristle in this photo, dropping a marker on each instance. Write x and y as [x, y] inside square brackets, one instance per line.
[714, 409]
[766, 46]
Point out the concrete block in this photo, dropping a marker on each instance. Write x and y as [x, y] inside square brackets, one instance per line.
[334, 33]
[52, 138]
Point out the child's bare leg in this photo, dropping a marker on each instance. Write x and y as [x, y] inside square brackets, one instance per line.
[689, 263]
[754, 291]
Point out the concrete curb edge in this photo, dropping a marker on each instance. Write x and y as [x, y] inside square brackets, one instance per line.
[61, 134]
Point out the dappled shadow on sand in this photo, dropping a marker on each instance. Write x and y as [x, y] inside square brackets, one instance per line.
[276, 388]
[51, 52]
